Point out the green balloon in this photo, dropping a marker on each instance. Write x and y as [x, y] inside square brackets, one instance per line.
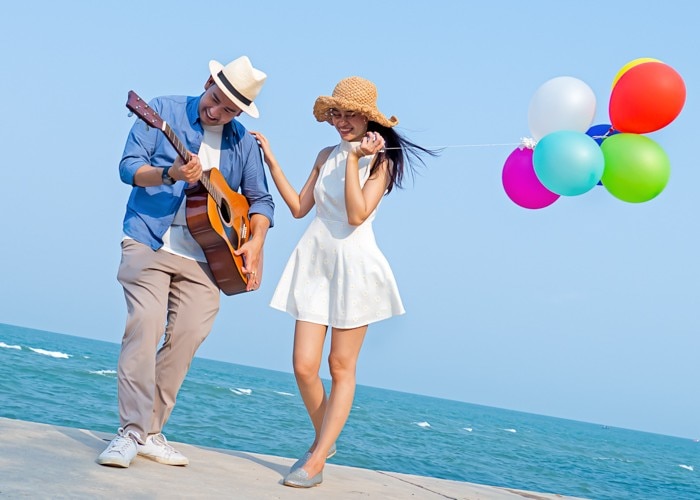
[636, 168]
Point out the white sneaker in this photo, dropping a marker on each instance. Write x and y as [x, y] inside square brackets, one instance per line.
[120, 451]
[158, 449]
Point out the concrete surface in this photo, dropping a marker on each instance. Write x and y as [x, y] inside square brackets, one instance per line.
[48, 461]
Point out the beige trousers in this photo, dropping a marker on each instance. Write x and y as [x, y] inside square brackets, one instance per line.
[165, 295]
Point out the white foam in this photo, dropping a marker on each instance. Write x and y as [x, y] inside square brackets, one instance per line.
[103, 372]
[509, 430]
[3, 344]
[468, 429]
[284, 393]
[689, 467]
[53, 354]
[240, 391]
[623, 460]
[425, 425]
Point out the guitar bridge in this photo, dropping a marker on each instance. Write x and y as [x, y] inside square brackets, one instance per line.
[244, 232]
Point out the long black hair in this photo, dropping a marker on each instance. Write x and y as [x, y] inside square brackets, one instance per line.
[403, 155]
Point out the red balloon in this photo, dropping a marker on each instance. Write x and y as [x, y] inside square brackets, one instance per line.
[646, 98]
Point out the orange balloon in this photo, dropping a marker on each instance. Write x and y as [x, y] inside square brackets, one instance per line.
[647, 97]
[631, 65]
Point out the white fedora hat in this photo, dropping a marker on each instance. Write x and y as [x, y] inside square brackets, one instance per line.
[240, 81]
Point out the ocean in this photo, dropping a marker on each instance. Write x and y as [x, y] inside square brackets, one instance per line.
[71, 381]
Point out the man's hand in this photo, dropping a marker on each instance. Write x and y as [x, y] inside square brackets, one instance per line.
[189, 172]
[252, 251]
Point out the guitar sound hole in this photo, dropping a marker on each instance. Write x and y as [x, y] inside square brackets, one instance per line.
[225, 213]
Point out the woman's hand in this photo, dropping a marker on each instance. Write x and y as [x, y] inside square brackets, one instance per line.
[372, 143]
[266, 149]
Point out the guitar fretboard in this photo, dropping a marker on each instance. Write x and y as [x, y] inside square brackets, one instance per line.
[179, 147]
[186, 157]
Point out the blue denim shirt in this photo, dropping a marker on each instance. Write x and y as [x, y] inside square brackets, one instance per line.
[151, 210]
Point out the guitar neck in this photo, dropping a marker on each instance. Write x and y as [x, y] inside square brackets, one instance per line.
[186, 157]
[150, 117]
[179, 147]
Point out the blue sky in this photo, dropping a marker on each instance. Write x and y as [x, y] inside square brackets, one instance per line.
[586, 310]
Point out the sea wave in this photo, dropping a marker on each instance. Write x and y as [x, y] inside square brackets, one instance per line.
[7, 346]
[282, 393]
[103, 372]
[53, 354]
[241, 392]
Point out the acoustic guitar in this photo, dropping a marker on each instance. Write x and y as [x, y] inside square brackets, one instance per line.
[217, 216]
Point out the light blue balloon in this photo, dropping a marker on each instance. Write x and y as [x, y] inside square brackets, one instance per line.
[568, 163]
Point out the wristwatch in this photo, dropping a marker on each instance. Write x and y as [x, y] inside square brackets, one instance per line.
[167, 180]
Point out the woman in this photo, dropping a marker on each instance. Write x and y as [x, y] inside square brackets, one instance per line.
[337, 276]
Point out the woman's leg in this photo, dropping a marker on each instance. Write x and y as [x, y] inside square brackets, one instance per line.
[345, 350]
[308, 349]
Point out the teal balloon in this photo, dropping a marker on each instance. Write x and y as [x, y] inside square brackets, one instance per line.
[568, 163]
[637, 169]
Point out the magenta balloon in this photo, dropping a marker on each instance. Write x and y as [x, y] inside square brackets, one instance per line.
[521, 183]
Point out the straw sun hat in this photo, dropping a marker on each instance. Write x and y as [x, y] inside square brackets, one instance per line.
[240, 81]
[353, 94]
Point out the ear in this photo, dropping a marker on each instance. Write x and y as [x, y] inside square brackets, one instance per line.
[209, 83]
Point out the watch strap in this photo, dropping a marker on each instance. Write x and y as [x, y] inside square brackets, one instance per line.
[167, 180]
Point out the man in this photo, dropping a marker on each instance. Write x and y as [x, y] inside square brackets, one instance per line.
[168, 285]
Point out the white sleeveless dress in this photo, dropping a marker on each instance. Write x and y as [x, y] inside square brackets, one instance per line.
[337, 275]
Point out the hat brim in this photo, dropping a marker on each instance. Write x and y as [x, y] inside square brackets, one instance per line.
[250, 109]
[325, 103]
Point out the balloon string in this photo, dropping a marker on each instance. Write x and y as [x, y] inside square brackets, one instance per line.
[525, 142]
[466, 146]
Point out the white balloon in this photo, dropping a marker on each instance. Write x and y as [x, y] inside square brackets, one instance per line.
[562, 103]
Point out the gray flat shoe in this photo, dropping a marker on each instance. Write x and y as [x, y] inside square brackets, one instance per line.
[300, 479]
[301, 462]
[305, 457]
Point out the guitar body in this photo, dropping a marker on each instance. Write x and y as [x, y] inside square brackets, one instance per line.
[220, 227]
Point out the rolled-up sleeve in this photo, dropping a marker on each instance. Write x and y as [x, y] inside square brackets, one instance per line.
[254, 182]
[139, 148]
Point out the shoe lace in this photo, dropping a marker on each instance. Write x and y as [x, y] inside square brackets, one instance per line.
[124, 441]
[161, 441]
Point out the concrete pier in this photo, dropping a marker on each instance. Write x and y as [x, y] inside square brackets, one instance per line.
[48, 461]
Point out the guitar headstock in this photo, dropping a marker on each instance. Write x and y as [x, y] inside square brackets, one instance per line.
[141, 109]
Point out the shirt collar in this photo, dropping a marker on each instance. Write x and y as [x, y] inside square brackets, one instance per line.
[193, 112]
